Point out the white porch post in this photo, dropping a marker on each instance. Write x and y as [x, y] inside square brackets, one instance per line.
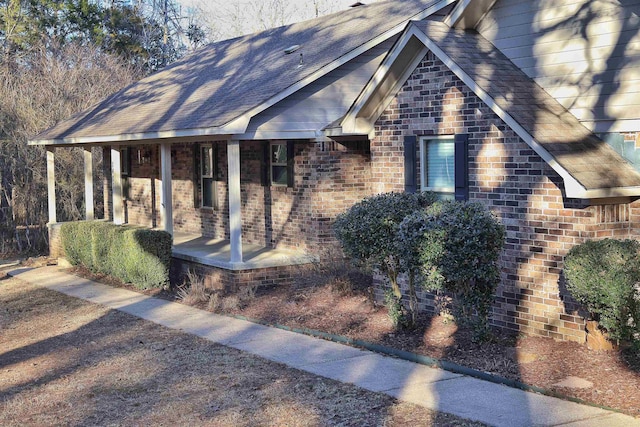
[235, 214]
[166, 207]
[51, 185]
[88, 183]
[116, 182]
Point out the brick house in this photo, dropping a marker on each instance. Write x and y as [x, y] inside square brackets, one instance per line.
[247, 150]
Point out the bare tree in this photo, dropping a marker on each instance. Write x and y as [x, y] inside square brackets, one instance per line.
[46, 87]
[237, 18]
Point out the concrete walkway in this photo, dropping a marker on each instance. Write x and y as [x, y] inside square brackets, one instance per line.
[429, 387]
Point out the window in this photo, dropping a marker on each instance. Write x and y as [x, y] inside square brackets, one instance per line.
[125, 161]
[437, 160]
[207, 175]
[276, 167]
[125, 171]
[278, 170]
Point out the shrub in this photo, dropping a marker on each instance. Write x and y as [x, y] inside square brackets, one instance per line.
[134, 255]
[604, 276]
[368, 233]
[455, 247]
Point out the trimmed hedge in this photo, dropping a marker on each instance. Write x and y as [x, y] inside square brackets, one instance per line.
[604, 276]
[134, 255]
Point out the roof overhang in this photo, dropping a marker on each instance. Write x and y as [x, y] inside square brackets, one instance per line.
[234, 127]
[238, 126]
[398, 66]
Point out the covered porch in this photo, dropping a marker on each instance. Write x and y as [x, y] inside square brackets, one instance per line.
[217, 253]
[211, 260]
[229, 253]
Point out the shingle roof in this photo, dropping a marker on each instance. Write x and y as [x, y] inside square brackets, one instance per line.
[589, 160]
[225, 80]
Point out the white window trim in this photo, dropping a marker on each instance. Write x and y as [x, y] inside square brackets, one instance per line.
[212, 168]
[423, 164]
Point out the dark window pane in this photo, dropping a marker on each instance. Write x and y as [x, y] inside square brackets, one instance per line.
[279, 154]
[124, 161]
[208, 192]
[279, 175]
[207, 161]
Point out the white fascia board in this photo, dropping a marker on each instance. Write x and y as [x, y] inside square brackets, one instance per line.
[352, 123]
[343, 60]
[231, 128]
[456, 14]
[278, 134]
[467, 14]
[610, 193]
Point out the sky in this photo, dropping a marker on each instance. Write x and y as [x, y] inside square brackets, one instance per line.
[231, 18]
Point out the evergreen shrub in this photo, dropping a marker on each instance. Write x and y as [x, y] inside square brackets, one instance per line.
[604, 276]
[134, 255]
[455, 247]
[368, 233]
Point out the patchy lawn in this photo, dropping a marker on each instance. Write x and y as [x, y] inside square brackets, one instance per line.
[64, 361]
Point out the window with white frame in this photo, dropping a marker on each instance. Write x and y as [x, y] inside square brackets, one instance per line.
[207, 176]
[437, 164]
[125, 171]
[278, 164]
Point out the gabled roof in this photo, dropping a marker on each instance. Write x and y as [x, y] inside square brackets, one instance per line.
[590, 168]
[217, 90]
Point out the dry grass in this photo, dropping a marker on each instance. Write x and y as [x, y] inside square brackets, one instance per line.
[67, 362]
[193, 291]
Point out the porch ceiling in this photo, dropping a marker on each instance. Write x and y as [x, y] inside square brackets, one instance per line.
[217, 253]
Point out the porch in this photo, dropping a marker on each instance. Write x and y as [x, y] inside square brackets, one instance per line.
[217, 253]
[210, 259]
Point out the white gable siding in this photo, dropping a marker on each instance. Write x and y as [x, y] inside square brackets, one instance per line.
[585, 53]
[322, 102]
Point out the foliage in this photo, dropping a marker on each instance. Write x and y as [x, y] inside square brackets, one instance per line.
[145, 34]
[368, 232]
[604, 276]
[455, 246]
[134, 255]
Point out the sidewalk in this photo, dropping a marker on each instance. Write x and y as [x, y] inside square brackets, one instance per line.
[429, 387]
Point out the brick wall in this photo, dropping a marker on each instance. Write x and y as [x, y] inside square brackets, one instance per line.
[328, 178]
[56, 250]
[232, 280]
[512, 181]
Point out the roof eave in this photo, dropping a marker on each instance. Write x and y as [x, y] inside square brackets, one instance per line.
[240, 123]
[607, 193]
[237, 126]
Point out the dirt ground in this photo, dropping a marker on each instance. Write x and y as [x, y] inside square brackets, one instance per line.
[68, 362]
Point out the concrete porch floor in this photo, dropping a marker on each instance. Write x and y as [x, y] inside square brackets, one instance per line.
[217, 253]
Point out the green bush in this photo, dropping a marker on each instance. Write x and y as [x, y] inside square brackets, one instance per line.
[368, 233]
[134, 255]
[455, 247]
[604, 276]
